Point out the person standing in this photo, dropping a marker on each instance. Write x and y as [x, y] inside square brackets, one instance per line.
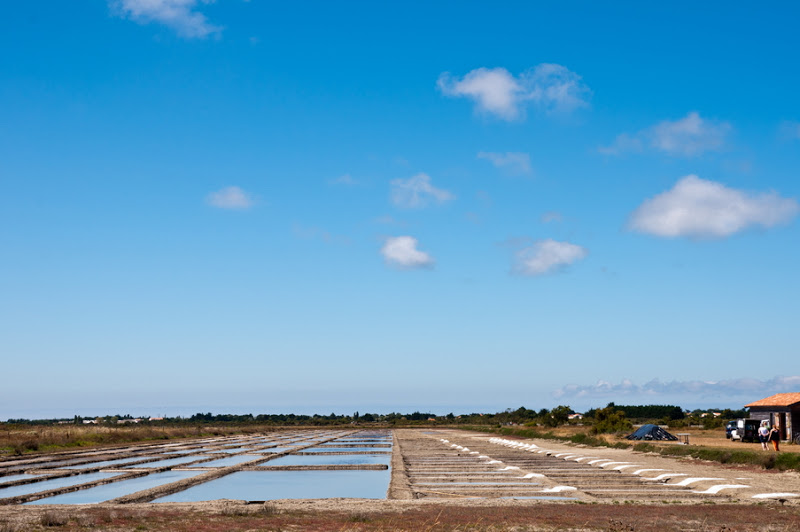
[763, 434]
[775, 437]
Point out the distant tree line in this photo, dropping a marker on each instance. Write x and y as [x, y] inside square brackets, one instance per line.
[612, 418]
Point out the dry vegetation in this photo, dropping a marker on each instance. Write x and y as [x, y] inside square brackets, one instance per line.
[589, 517]
[23, 439]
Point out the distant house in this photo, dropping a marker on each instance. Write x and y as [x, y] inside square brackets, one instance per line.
[781, 410]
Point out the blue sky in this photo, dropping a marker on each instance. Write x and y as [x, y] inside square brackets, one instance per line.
[261, 207]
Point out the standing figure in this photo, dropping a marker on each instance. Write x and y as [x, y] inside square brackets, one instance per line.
[775, 437]
[763, 434]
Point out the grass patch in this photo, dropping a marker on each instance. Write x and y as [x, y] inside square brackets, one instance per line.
[49, 519]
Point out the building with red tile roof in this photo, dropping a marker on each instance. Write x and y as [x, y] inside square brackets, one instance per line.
[781, 410]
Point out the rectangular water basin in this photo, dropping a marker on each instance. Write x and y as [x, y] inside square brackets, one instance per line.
[271, 485]
[386, 450]
[337, 459]
[276, 449]
[118, 461]
[107, 492]
[169, 462]
[231, 460]
[52, 484]
[12, 478]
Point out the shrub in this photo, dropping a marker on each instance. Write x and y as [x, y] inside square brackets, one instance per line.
[610, 420]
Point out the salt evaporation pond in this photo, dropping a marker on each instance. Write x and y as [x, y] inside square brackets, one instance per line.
[118, 461]
[229, 461]
[170, 462]
[271, 485]
[12, 478]
[117, 489]
[339, 459]
[347, 450]
[46, 485]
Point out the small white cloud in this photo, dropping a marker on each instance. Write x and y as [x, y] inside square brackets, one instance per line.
[417, 191]
[179, 15]
[695, 207]
[547, 256]
[345, 179]
[690, 136]
[401, 251]
[513, 162]
[495, 91]
[233, 198]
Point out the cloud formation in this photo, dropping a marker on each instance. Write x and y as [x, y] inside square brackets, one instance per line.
[549, 87]
[547, 256]
[179, 15]
[233, 198]
[655, 388]
[417, 191]
[695, 207]
[402, 252]
[513, 162]
[688, 137]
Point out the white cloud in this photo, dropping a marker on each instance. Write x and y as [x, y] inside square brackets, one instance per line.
[688, 137]
[233, 198]
[698, 208]
[495, 91]
[655, 388]
[402, 251]
[547, 256]
[179, 15]
[417, 191]
[513, 162]
[345, 179]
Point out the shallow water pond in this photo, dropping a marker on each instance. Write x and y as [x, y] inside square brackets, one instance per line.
[169, 462]
[347, 449]
[229, 461]
[12, 478]
[117, 489]
[337, 459]
[270, 485]
[55, 483]
[118, 461]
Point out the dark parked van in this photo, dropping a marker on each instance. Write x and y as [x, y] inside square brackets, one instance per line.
[746, 430]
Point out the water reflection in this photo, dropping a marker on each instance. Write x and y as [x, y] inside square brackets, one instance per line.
[339, 459]
[270, 485]
[117, 489]
[52, 484]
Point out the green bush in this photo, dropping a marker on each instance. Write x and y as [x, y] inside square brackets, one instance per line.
[610, 420]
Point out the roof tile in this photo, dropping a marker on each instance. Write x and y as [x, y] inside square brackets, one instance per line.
[779, 399]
